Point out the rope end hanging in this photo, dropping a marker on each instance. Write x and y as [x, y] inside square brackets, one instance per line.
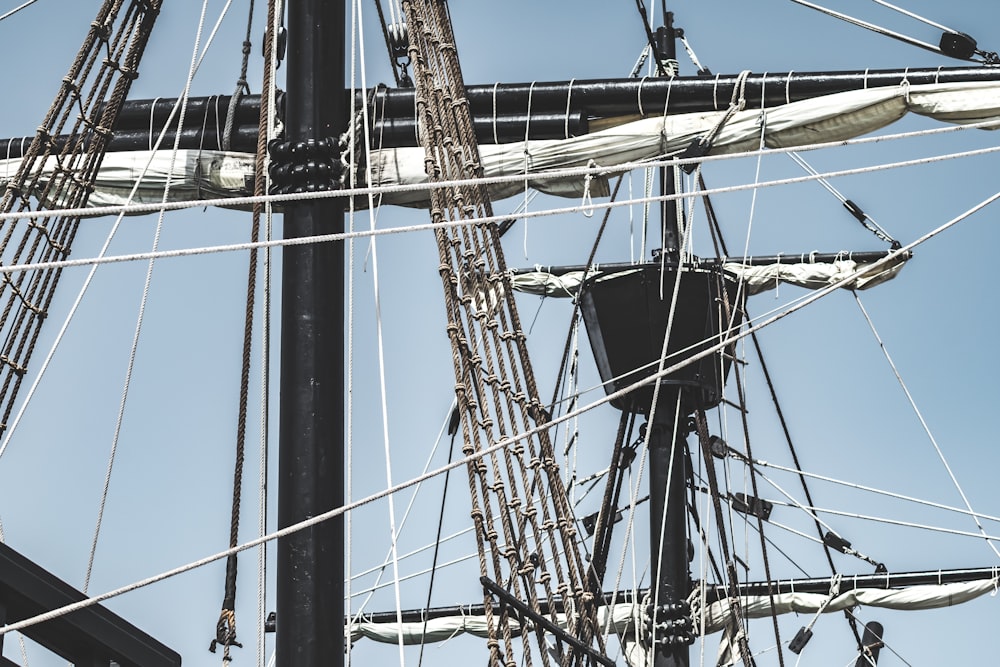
[225, 634]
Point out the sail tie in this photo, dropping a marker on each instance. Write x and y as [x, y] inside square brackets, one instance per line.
[587, 204]
[225, 630]
[702, 145]
[242, 87]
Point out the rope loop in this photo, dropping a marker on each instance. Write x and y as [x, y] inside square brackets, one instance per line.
[588, 201]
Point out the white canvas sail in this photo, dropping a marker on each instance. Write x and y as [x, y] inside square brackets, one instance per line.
[626, 619]
[197, 174]
[756, 279]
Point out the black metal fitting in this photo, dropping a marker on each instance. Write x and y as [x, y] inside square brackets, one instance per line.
[308, 165]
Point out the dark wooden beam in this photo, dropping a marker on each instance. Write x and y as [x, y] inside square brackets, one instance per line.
[93, 635]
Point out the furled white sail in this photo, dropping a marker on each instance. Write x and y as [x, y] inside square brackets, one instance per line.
[718, 616]
[627, 621]
[192, 175]
[814, 275]
[757, 279]
[440, 629]
[914, 598]
[195, 174]
[828, 118]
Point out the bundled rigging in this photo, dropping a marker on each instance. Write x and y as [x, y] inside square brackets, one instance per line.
[527, 537]
[62, 174]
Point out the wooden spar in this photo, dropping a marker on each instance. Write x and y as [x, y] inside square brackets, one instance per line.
[715, 262]
[588, 99]
[717, 592]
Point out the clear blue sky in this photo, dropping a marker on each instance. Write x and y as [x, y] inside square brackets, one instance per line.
[169, 499]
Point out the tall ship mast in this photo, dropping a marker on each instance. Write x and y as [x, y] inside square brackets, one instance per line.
[621, 239]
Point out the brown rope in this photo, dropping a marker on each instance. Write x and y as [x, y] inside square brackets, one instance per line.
[721, 250]
[92, 91]
[734, 599]
[527, 535]
[226, 627]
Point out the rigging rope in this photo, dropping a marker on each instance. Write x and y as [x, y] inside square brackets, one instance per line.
[17, 9]
[561, 173]
[373, 208]
[733, 578]
[862, 217]
[105, 67]
[756, 494]
[473, 457]
[391, 43]
[140, 317]
[871, 489]
[271, 56]
[437, 540]
[923, 424]
[717, 236]
[242, 87]
[225, 629]
[519, 506]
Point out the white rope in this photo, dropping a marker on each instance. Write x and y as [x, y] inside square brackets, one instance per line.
[650, 421]
[923, 423]
[403, 557]
[795, 503]
[17, 9]
[915, 16]
[265, 358]
[349, 425]
[870, 26]
[209, 40]
[707, 523]
[877, 519]
[8, 436]
[805, 536]
[413, 575]
[646, 209]
[265, 388]
[756, 179]
[390, 557]
[380, 342]
[142, 307]
[628, 541]
[799, 160]
[506, 442]
[631, 224]
[881, 492]
[527, 168]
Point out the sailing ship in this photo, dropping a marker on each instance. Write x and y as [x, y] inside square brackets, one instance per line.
[169, 502]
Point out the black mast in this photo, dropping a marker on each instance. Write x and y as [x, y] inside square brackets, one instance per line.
[310, 563]
[667, 462]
